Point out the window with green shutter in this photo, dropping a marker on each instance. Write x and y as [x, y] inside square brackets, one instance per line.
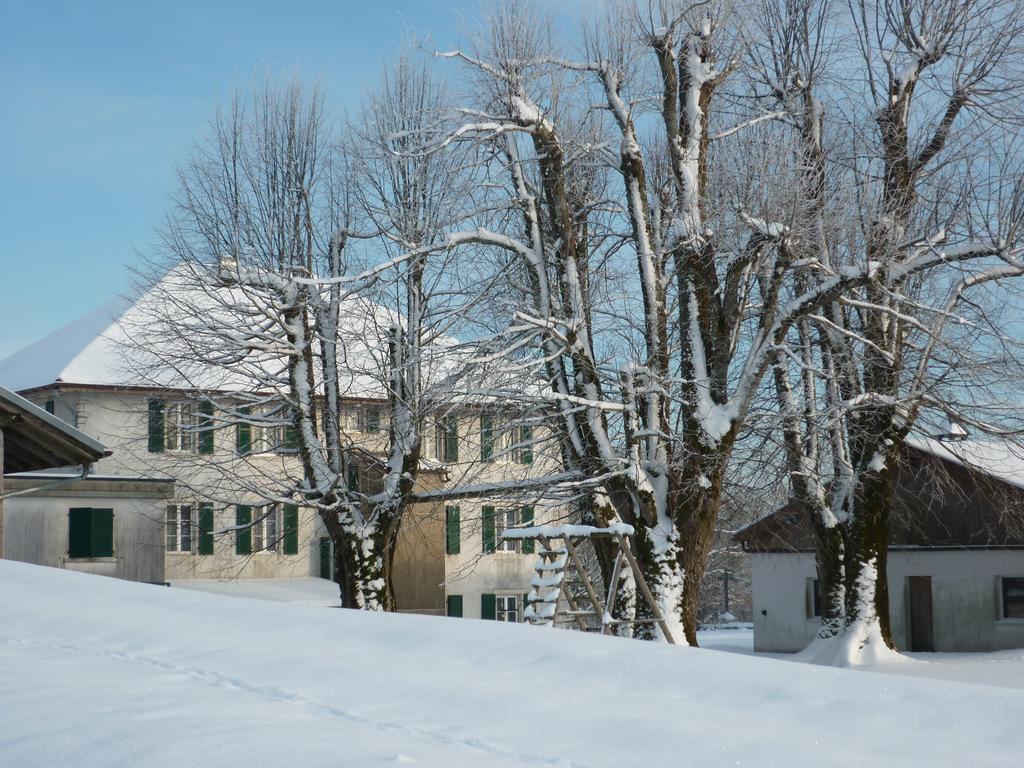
[48, 406]
[455, 605]
[373, 419]
[527, 519]
[526, 445]
[90, 532]
[453, 534]
[488, 606]
[243, 434]
[486, 438]
[205, 546]
[243, 536]
[451, 438]
[487, 528]
[206, 427]
[290, 544]
[156, 426]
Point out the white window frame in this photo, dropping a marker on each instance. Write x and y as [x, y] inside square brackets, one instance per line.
[180, 435]
[504, 519]
[502, 613]
[185, 537]
[266, 529]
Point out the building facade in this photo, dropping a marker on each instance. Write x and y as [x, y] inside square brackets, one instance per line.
[449, 559]
[955, 560]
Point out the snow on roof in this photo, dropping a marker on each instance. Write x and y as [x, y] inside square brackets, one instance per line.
[998, 458]
[129, 343]
[69, 353]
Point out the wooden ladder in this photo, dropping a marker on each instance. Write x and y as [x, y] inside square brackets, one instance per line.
[562, 592]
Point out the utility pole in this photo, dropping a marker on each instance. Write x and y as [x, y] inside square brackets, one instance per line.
[725, 586]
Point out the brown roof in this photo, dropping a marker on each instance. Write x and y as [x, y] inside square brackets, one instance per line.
[937, 503]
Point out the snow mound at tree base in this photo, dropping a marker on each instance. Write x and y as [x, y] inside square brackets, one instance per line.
[99, 673]
[859, 645]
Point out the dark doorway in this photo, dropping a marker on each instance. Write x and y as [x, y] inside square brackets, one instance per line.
[921, 636]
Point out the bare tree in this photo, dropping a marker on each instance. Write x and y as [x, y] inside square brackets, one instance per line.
[265, 315]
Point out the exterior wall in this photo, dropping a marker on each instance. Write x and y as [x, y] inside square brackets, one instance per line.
[418, 576]
[472, 572]
[36, 527]
[965, 606]
[779, 593]
[119, 420]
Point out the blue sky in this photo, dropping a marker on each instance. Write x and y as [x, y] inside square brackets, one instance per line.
[101, 100]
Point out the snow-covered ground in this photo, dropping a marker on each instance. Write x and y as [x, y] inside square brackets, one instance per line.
[102, 672]
[1004, 669]
[319, 593]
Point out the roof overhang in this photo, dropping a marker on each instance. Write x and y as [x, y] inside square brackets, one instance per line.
[35, 439]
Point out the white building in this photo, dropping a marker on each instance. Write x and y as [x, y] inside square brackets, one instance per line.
[56, 511]
[449, 558]
[955, 561]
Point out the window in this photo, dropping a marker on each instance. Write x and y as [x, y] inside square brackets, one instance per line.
[507, 608]
[265, 530]
[486, 438]
[286, 438]
[453, 534]
[506, 518]
[49, 407]
[812, 598]
[522, 449]
[447, 440]
[373, 419]
[247, 435]
[180, 428]
[352, 476]
[180, 533]
[1011, 597]
[90, 532]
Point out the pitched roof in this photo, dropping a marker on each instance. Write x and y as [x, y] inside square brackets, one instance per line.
[964, 493]
[145, 343]
[35, 439]
[73, 353]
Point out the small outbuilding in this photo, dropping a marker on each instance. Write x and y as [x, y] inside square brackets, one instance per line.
[955, 562]
[54, 511]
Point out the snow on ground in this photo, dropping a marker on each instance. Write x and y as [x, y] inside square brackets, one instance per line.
[1004, 669]
[102, 672]
[319, 593]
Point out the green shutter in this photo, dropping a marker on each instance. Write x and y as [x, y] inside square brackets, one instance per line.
[451, 438]
[291, 437]
[291, 529]
[455, 606]
[373, 420]
[243, 434]
[526, 439]
[206, 427]
[102, 533]
[488, 607]
[205, 529]
[453, 534]
[326, 571]
[156, 426]
[80, 532]
[486, 438]
[243, 536]
[527, 517]
[487, 515]
[49, 407]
